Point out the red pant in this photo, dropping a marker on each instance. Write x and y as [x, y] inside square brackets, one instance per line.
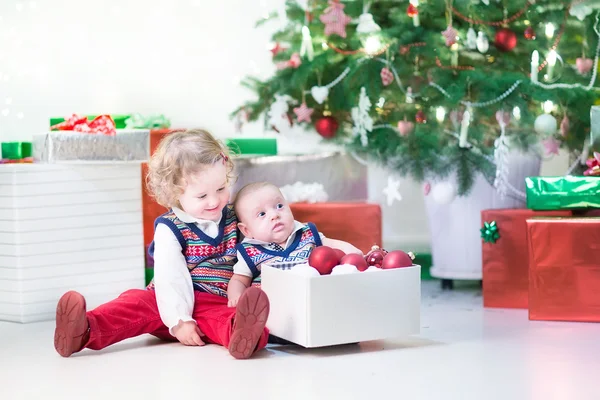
[135, 312]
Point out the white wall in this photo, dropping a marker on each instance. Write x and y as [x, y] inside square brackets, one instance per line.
[183, 59]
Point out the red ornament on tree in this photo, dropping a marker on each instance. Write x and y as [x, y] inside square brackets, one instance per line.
[420, 117]
[323, 259]
[412, 11]
[355, 259]
[529, 33]
[374, 258]
[397, 259]
[327, 126]
[506, 40]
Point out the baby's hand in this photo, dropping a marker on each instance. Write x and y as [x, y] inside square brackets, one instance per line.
[188, 333]
[233, 300]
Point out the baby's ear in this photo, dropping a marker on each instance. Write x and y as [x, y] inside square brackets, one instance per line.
[244, 229]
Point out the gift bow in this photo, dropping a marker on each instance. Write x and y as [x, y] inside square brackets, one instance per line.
[151, 122]
[489, 232]
[593, 166]
[102, 124]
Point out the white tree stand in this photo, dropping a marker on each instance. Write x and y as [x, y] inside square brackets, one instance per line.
[454, 227]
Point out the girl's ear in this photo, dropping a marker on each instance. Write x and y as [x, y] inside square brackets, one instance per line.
[244, 229]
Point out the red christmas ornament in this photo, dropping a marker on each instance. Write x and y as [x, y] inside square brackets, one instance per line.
[412, 11]
[339, 254]
[355, 259]
[420, 117]
[397, 259]
[529, 33]
[323, 259]
[374, 258]
[327, 126]
[506, 40]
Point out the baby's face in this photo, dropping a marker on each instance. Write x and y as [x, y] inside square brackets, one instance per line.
[266, 216]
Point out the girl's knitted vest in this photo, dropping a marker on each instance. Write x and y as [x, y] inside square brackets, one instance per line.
[298, 251]
[209, 260]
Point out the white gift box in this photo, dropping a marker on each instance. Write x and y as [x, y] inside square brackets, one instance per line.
[68, 227]
[329, 310]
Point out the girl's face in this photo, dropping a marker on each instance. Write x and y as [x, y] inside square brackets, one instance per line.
[206, 192]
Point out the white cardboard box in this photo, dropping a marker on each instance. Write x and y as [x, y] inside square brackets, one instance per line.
[337, 309]
[68, 227]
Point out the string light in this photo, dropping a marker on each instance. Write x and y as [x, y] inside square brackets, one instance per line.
[517, 113]
[440, 114]
[372, 44]
[550, 30]
[547, 106]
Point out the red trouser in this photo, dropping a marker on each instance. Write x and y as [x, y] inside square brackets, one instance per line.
[135, 312]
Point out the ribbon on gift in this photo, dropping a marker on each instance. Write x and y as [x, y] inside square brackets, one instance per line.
[102, 125]
[138, 121]
[593, 166]
[16, 152]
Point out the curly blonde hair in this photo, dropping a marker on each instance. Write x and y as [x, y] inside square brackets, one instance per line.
[179, 155]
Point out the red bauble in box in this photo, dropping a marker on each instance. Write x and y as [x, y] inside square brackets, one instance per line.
[506, 40]
[327, 126]
[323, 259]
[397, 259]
[339, 254]
[374, 258]
[355, 259]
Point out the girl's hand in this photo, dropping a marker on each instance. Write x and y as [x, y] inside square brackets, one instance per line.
[188, 333]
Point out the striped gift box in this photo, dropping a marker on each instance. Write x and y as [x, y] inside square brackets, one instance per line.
[68, 227]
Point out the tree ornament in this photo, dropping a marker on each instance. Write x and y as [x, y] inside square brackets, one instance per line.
[443, 192]
[323, 259]
[397, 259]
[565, 125]
[387, 77]
[405, 127]
[278, 113]
[529, 33]
[426, 188]
[545, 125]
[327, 126]
[471, 42]
[584, 65]
[303, 113]
[277, 48]
[392, 190]
[420, 117]
[412, 11]
[355, 259]
[366, 24]
[363, 123]
[306, 49]
[552, 146]
[450, 35]
[580, 10]
[506, 40]
[335, 20]
[410, 98]
[319, 93]
[483, 44]
[593, 165]
[489, 232]
[375, 256]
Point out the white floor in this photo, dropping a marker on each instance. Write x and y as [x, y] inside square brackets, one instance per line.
[464, 352]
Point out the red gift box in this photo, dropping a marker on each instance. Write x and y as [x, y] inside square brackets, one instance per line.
[357, 223]
[505, 261]
[564, 269]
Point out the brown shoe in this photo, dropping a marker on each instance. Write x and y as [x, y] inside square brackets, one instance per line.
[72, 325]
[250, 319]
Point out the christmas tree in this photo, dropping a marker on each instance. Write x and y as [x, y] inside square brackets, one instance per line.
[430, 87]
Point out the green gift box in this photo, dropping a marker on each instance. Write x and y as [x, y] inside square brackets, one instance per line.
[119, 120]
[545, 193]
[15, 150]
[253, 146]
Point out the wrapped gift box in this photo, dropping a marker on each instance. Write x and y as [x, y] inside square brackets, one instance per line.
[76, 147]
[505, 260]
[253, 146]
[563, 192]
[356, 223]
[337, 309]
[67, 227]
[564, 269]
[120, 120]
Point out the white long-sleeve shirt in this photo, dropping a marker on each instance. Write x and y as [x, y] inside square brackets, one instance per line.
[172, 280]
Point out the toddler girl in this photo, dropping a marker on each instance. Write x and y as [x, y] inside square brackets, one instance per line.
[194, 251]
